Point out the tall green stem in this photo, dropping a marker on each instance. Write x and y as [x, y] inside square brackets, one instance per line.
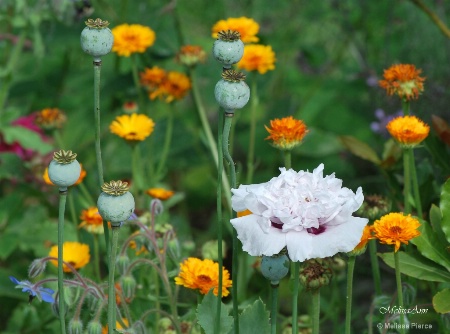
[136, 167]
[208, 133]
[254, 101]
[405, 107]
[296, 273]
[234, 264]
[62, 207]
[375, 266]
[415, 182]
[73, 216]
[98, 149]
[136, 81]
[97, 258]
[111, 287]
[406, 181]
[315, 311]
[219, 219]
[398, 279]
[274, 311]
[287, 159]
[348, 309]
[166, 147]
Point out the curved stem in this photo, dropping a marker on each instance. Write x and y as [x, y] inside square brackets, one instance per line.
[274, 311]
[315, 311]
[234, 264]
[296, 274]
[406, 181]
[62, 207]
[251, 146]
[348, 309]
[111, 287]
[398, 279]
[219, 219]
[375, 266]
[415, 183]
[166, 147]
[436, 20]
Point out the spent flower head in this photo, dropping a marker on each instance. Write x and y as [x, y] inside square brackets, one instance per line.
[408, 131]
[132, 38]
[133, 128]
[50, 118]
[247, 28]
[286, 133]
[403, 80]
[396, 228]
[91, 220]
[34, 290]
[257, 57]
[191, 55]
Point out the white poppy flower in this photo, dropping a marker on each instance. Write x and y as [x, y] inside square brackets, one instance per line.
[307, 213]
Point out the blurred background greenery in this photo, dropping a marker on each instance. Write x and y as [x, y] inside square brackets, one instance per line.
[330, 55]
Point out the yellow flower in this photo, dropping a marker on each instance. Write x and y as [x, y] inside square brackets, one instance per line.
[47, 180]
[75, 253]
[286, 133]
[134, 127]
[203, 275]
[403, 80]
[91, 220]
[409, 131]
[160, 193]
[257, 57]
[396, 228]
[132, 38]
[118, 326]
[50, 118]
[191, 55]
[248, 28]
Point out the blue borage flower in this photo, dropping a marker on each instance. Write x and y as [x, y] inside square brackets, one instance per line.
[43, 294]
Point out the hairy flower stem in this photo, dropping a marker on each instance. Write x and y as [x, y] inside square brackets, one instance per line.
[62, 207]
[287, 159]
[111, 287]
[348, 309]
[398, 279]
[208, 133]
[96, 258]
[274, 311]
[98, 150]
[375, 267]
[415, 183]
[251, 146]
[315, 311]
[166, 147]
[234, 264]
[219, 219]
[296, 273]
[406, 181]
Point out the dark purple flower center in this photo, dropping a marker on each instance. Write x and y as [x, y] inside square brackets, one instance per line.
[276, 222]
[316, 231]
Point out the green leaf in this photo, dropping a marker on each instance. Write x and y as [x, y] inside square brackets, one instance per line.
[430, 246]
[360, 149]
[418, 267]
[435, 221]
[255, 319]
[27, 138]
[206, 315]
[441, 301]
[445, 209]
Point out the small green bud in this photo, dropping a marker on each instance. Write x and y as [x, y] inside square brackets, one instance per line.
[128, 284]
[36, 268]
[315, 273]
[94, 327]
[75, 326]
[210, 250]
[123, 261]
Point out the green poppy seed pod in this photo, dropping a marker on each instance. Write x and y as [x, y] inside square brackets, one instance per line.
[228, 48]
[75, 326]
[96, 38]
[128, 284]
[232, 92]
[64, 170]
[94, 327]
[274, 268]
[115, 204]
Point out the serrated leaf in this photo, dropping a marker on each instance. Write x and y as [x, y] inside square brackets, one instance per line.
[441, 301]
[255, 319]
[360, 149]
[429, 245]
[27, 138]
[206, 315]
[418, 267]
[435, 221]
[445, 209]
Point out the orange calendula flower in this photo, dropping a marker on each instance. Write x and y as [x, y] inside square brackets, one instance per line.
[50, 118]
[257, 57]
[403, 80]
[191, 55]
[160, 193]
[132, 38]
[396, 228]
[134, 127]
[409, 131]
[248, 28]
[286, 133]
[75, 253]
[174, 87]
[91, 220]
[118, 326]
[366, 236]
[47, 180]
[153, 77]
[203, 275]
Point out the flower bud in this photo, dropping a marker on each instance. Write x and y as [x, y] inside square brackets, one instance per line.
[210, 250]
[128, 285]
[315, 273]
[36, 268]
[274, 268]
[123, 261]
[188, 246]
[75, 326]
[173, 247]
[191, 55]
[94, 327]
[139, 327]
[374, 206]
